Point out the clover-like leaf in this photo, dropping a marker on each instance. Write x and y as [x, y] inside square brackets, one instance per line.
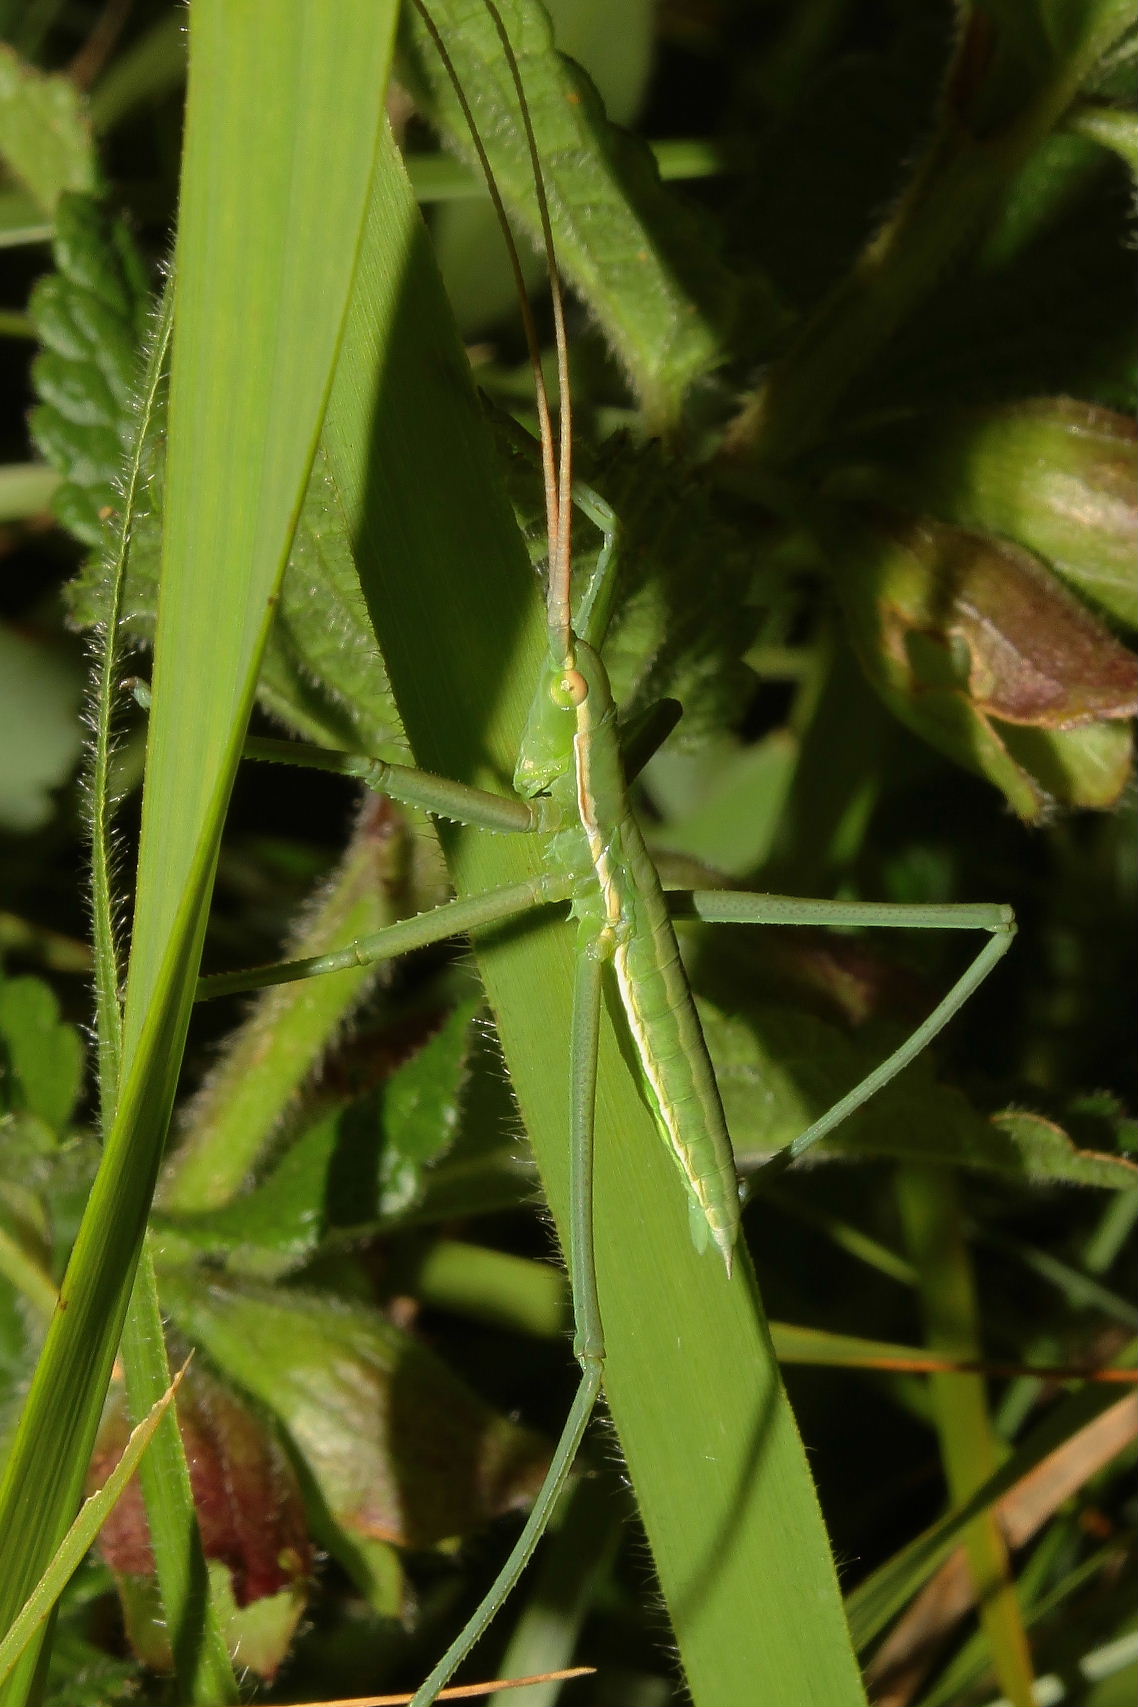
[399, 1448]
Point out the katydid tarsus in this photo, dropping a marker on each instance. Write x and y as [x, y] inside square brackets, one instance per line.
[571, 789]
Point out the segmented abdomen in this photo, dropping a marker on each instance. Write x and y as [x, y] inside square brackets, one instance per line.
[669, 1041]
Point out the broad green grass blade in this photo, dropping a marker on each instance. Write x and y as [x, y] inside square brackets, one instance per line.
[529, 1297]
[710, 1441]
[266, 251]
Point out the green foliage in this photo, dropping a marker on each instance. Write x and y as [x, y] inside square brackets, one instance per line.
[42, 1055]
[399, 1449]
[89, 314]
[667, 324]
[252, 1523]
[861, 408]
[1057, 476]
[779, 1070]
[89, 317]
[45, 136]
[355, 1167]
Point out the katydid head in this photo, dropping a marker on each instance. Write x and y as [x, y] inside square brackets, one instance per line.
[570, 696]
[546, 749]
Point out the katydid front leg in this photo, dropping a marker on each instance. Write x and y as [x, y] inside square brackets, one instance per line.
[457, 802]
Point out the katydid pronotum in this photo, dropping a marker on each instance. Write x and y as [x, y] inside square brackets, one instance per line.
[571, 790]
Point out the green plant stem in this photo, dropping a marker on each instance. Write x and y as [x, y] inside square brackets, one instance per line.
[970, 1448]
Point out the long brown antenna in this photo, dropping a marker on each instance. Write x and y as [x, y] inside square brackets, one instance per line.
[557, 462]
[561, 522]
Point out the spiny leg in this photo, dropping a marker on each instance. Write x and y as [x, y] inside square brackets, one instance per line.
[588, 1336]
[715, 906]
[455, 801]
[452, 918]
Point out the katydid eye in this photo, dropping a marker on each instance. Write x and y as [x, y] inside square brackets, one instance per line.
[571, 689]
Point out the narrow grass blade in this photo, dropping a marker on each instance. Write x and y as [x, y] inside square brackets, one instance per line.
[970, 1448]
[190, 1608]
[79, 1538]
[881, 1596]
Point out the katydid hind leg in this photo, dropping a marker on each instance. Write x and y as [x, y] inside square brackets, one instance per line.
[739, 907]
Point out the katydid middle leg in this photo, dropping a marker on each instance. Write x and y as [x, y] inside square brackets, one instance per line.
[588, 1334]
[453, 918]
[726, 906]
[474, 807]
